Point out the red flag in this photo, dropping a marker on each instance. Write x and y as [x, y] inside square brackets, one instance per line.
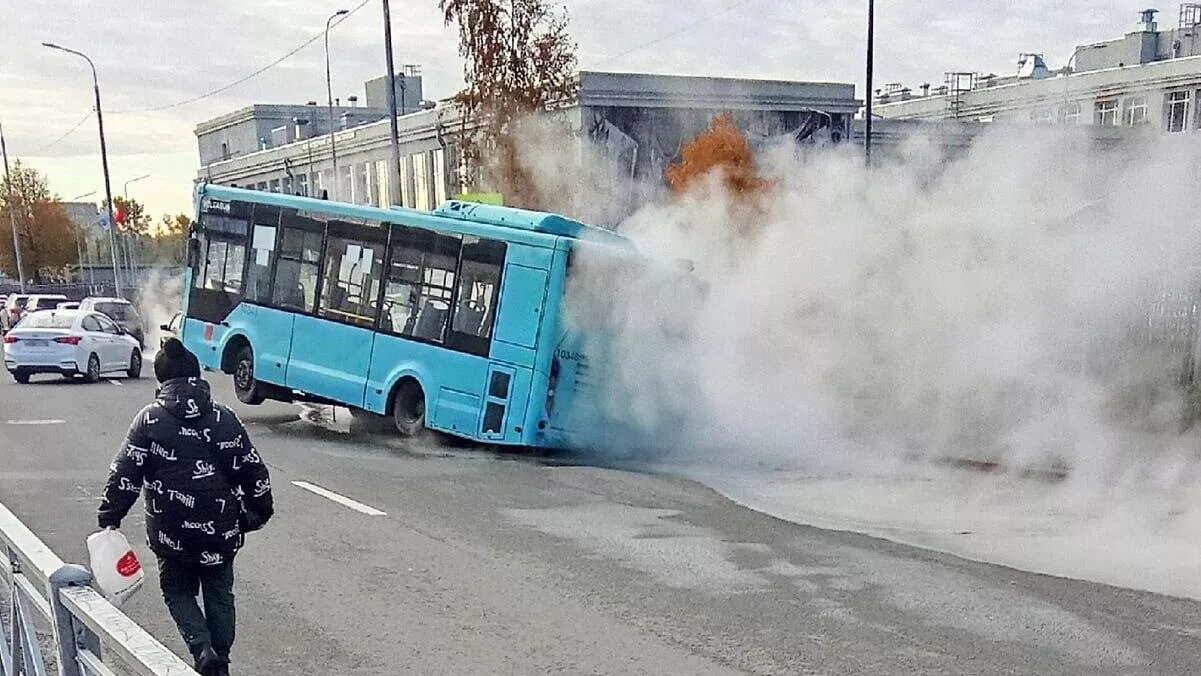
[119, 215]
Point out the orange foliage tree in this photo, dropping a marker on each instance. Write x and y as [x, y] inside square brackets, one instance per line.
[722, 148]
[518, 61]
[47, 235]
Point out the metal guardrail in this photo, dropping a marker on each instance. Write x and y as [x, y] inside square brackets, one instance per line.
[80, 618]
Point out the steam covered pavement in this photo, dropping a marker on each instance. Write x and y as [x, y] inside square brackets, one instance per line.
[475, 564]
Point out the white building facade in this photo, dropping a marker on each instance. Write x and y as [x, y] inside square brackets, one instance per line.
[1150, 78]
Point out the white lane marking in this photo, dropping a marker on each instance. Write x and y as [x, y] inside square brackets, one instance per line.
[115, 382]
[36, 422]
[340, 499]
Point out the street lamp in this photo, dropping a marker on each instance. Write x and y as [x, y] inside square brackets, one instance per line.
[129, 257]
[867, 114]
[81, 249]
[329, 91]
[108, 192]
[12, 216]
[394, 183]
[1067, 73]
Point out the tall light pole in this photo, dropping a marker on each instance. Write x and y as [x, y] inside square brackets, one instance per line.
[12, 215]
[130, 258]
[867, 113]
[80, 249]
[108, 191]
[329, 92]
[394, 184]
[1067, 73]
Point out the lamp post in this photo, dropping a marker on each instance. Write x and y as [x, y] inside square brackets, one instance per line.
[130, 258]
[394, 184]
[329, 91]
[1067, 73]
[12, 216]
[81, 250]
[108, 191]
[867, 113]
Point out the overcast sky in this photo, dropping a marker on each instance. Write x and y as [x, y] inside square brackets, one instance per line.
[155, 53]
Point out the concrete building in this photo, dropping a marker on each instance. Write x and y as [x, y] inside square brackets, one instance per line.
[640, 121]
[1149, 78]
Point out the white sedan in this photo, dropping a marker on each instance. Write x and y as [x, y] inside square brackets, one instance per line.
[70, 343]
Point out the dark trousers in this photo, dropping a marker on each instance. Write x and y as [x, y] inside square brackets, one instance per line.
[181, 583]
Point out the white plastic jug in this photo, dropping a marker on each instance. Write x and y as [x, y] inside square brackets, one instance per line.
[115, 567]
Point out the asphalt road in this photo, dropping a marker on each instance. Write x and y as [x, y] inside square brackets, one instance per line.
[486, 564]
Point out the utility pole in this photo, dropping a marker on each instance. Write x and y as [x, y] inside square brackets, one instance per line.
[329, 91]
[394, 183]
[867, 111]
[12, 216]
[108, 190]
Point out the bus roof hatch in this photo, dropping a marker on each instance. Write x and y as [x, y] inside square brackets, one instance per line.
[523, 219]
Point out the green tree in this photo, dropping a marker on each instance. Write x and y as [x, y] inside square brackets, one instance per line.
[47, 236]
[165, 244]
[137, 221]
[518, 61]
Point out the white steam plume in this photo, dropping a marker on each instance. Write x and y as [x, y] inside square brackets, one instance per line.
[993, 306]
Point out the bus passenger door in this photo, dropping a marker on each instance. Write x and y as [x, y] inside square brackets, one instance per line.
[331, 352]
[330, 359]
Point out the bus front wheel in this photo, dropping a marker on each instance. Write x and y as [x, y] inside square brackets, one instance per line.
[248, 390]
[408, 409]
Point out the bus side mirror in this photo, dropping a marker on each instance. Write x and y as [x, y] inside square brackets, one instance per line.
[193, 253]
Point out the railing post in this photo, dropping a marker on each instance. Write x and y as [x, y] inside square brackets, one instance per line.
[69, 635]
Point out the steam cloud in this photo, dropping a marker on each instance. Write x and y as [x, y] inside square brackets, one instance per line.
[1000, 305]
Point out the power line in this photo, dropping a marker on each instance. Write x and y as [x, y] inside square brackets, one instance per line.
[682, 29]
[239, 81]
[62, 138]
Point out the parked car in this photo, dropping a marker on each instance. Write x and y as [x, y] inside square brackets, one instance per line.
[70, 343]
[121, 311]
[44, 301]
[14, 307]
[170, 329]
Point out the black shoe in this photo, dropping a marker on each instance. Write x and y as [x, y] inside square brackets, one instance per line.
[210, 663]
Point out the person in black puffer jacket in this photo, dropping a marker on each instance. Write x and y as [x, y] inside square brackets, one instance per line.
[205, 487]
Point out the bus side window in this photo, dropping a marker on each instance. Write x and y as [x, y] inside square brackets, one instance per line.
[214, 267]
[420, 285]
[479, 285]
[258, 271]
[295, 284]
[352, 277]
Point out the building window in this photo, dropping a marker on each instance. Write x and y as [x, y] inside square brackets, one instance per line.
[1134, 110]
[1071, 113]
[1105, 113]
[362, 192]
[439, 175]
[382, 178]
[1041, 115]
[421, 181]
[302, 185]
[1176, 109]
[274, 185]
[406, 189]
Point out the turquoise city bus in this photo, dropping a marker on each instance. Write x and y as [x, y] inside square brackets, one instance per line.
[453, 320]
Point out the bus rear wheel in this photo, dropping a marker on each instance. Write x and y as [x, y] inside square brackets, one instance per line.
[408, 409]
[248, 390]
